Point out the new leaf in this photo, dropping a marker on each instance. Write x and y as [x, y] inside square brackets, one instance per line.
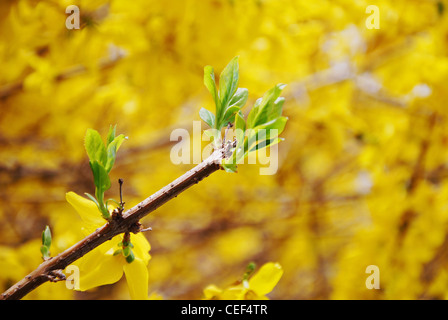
[96, 150]
[228, 84]
[209, 82]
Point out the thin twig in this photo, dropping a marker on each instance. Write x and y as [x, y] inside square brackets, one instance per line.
[127, 222]
[120, 181]
[418, 174]
[419, 170]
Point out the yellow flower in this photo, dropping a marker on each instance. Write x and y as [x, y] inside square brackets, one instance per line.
[100, 266]
[256, 288]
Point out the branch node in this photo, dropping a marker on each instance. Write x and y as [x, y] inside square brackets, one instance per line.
[117, 215]
[55, 276]
[135, 227]
[138, 227]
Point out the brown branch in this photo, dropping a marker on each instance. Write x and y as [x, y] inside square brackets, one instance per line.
[419, 170]
[418, 174]
[127, 222]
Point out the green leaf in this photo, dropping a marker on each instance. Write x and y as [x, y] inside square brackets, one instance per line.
[229, 116]
[230, 167]
[96, 150]
[267, 105]
[249, 270]
[268, 108]
[92, 198]
[119, 140]
[114, 201]
[214, 135]
[240, 128]
[277, 108]
[239, 98]
[253, 113]
[263, 132]
[112, 151]
[266, 143]
[45, 252]
[228, 84]
[275, 124]
[111, 134]
[46, 243]
[210, 84]
[46, 237]
[130, 257]
[100, 178]
[126, 251]
[207, 117]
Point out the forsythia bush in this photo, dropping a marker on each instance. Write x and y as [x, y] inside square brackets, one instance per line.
[362, 173]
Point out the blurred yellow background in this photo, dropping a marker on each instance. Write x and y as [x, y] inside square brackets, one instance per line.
[363, 171]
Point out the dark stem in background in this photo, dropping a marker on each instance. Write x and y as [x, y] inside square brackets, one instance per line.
[120, 181]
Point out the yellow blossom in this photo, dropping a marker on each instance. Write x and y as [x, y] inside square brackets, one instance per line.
[101, 266]
[256, 288]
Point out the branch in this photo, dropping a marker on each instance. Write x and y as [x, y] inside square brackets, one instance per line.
[419, 170]
[127, 222]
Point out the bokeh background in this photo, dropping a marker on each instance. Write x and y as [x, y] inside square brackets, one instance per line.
[363, 170]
